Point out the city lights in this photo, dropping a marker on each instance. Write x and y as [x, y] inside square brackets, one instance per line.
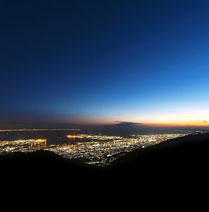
[22, 145]
[98, 150]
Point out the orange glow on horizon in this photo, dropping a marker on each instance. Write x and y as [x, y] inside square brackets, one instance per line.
[163, 123]
[178, 124]
[156, 123]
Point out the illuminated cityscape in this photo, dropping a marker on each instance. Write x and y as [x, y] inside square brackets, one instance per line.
[22, 145]
[97, 150]
[104, 149]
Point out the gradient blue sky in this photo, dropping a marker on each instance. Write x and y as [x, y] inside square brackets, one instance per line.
[104, 61]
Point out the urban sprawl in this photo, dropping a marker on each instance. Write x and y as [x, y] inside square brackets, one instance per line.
[99, 150]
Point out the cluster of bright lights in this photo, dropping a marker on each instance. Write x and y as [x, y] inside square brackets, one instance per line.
[22, 145]
[75, 136]
[99, 150]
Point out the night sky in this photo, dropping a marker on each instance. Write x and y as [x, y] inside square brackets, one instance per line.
[104, 61]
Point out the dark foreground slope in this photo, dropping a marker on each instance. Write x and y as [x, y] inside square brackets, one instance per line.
[182, 160]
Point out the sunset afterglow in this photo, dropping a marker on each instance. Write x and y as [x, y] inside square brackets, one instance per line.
[99, 69]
